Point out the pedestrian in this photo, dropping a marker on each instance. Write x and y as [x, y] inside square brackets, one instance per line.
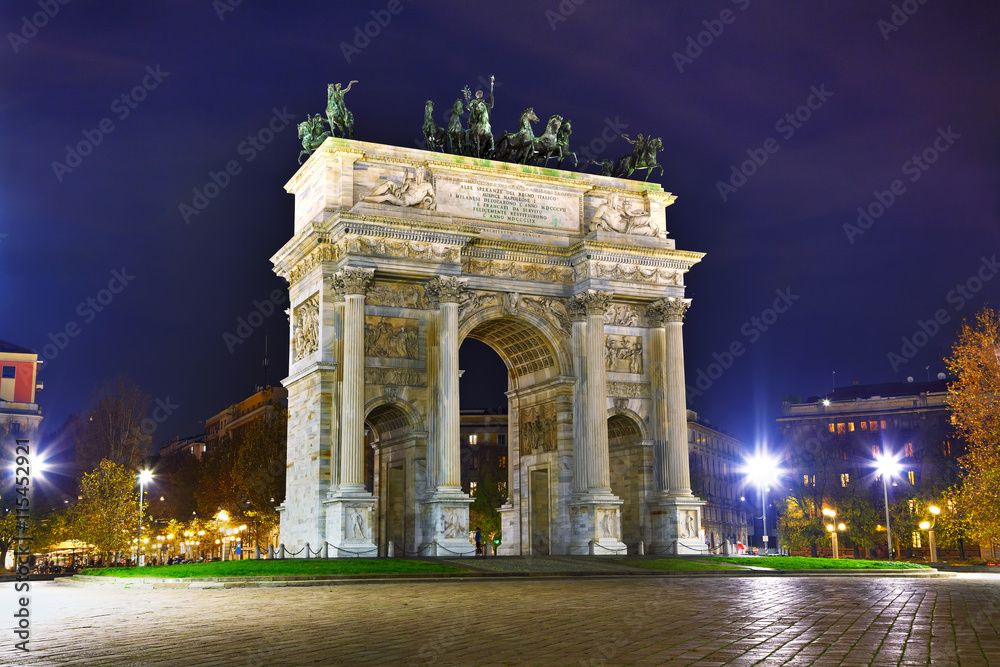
[479, 542]
[740, 548]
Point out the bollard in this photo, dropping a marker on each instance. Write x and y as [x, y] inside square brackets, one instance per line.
[256, 552]
[434, 548]
[390, 550]
[591, 548]
[281, 551]
[270, 552]
[326, 549]
[308, 551]
[642, 548]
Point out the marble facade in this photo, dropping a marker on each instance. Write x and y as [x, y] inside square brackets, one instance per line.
[398, 255]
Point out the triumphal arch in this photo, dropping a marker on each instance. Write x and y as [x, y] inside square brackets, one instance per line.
[401, 254]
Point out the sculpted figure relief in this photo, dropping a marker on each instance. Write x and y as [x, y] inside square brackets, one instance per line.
[537, 432]
[306, 337]
[414, 191]
[384, 339]
[623, 354]
[616, 215]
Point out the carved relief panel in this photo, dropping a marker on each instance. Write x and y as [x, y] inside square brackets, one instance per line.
[537, 429]
[392, 337]
[623, 354]
[305, 335]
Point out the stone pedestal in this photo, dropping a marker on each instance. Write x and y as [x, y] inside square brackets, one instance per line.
[597, 521]
[350, 524]
[510, 531]
[675, 523]
[447, 515]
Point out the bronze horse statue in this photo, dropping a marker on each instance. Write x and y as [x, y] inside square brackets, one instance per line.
[434, 136]
[515, 146]
[643, 157]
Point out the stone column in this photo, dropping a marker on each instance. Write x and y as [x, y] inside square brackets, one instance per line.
[679, 479]
[350, 509]
[352, 476]
[449, 506]
[595, 516]
[675, 514]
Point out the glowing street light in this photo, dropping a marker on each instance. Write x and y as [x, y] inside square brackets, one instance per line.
[762, 470]
[929, 527]
[887, 466]
[144, 477]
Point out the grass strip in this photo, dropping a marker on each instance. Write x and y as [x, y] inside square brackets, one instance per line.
[806, 563]
[273, 568]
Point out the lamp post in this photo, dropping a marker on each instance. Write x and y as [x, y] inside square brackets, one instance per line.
[144, 477]
[929, 527]
[887, 466]
[762, 470]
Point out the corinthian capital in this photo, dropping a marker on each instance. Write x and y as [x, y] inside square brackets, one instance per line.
[591, 302]
[667, 310]
[444, 289]
[353, 280]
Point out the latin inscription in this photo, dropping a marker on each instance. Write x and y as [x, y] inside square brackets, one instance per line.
[510, 202]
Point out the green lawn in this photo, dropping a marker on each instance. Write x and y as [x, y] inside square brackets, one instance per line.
[804, 563]
[268, 568]
[677, 564]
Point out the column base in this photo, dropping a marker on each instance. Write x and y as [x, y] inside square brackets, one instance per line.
[446, 514]
[676, 526]
[349, 524]
[596, 526]
[509, 533]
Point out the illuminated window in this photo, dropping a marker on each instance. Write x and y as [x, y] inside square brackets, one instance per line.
[912, 505]
[831, 428]
[873, 426]
[876, 451]
[502, 461]
[864, 426]
[946, 448]
[841, 428]
[883, 424]
[912, 476]
[845, 479]
[472, 488]
[908, 450]
[916, 540]
[473, 439]
[850, 426]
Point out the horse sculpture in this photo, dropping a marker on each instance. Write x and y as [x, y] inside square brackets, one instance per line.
[479, 135]
[312, 132]
[643, 157]
[336, 111]
[515, 146]
[546, 145]
[434, 136]
[456, 135]
[562, 144]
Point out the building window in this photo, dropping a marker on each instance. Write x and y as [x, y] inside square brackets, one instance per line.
[501, 438]
[845, 479]
[473, 439]
[9, 372]
[502, 461]
[876, 451]
[831, 428]
[883, 424]
[809, 480]
[946, 448]
[873, 426]
[850, 426]
[472, 488]
[912, 476]
[916, 539]
[864, 426]
[908, 450]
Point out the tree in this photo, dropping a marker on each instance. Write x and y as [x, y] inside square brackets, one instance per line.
[108, 514]
[259, 472]
[974, 398]
[112, 429]
[489, 495]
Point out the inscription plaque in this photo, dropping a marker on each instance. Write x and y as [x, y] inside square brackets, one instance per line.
[507, 201]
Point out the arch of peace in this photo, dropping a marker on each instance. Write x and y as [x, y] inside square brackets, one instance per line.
[398, 256]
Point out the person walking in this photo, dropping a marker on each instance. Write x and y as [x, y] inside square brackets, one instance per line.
[479, 542]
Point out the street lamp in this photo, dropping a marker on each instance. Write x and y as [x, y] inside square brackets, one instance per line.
[887, 466]
[762, 470]
[144, 477]
[929, 527]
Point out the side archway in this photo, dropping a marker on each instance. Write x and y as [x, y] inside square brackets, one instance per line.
[626, 456]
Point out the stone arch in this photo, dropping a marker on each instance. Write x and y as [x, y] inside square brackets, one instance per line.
[414, 419]
[525, 341]
[627, 460]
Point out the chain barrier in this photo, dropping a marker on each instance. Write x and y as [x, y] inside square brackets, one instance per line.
[356, 554]
[617, 552]
[457, 553]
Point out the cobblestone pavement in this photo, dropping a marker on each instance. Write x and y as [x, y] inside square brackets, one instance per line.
[767, 621]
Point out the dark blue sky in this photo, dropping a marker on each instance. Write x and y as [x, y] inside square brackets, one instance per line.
[717, 80]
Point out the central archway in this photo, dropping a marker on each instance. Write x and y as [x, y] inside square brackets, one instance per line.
[539, 426]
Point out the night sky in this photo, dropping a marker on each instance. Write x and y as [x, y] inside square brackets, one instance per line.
[778, 122]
